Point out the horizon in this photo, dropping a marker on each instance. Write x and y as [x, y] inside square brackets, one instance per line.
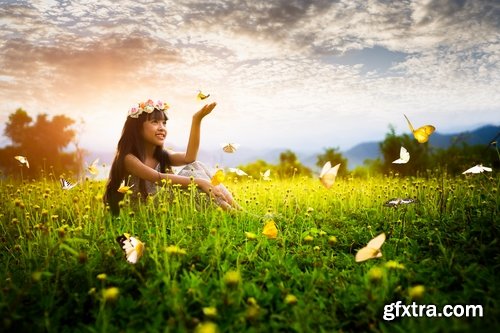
[295, 74]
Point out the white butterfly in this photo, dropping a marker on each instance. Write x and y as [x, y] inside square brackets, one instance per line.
[477, 169]
[398, 201]
[22, 160]
[404, 156]
[230, 147]
[132, 247]
[237, 171]
[266, 175]
[328, 174]
[66, 185]
[372, 249]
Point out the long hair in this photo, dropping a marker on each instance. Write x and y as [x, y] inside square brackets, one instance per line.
[132, 142]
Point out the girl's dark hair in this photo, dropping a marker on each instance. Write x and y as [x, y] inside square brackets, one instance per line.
[131, 142]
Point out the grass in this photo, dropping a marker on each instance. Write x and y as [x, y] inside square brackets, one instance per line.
[63, 271]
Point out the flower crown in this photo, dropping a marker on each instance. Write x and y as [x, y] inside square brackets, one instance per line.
[147, 107]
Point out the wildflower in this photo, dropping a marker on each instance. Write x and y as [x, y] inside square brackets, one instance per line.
[322, 233]
[416, 292]
[332, 240]
[250, 235]
[210, 311]
[102, 276]
[174, 250]
[308, 239]
[232, 278]
[270, 230]
[375, 274]
[290, 299]
[207, 327]
[392, 264]
[110, 294]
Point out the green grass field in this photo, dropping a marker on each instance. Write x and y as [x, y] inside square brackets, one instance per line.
[62, 269]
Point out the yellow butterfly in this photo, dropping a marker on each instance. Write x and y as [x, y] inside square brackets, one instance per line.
[328, 174]
[201, 96]
[92, 168]
[477, 169]
[270, 230]
[132, 247]
[266, 175]
[404, 156]
[372, 249]
[23, 160]
[124, 188]
[218, 177]
[230, 147]
[422, 133]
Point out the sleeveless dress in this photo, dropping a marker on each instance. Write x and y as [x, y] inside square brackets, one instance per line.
[196, 170]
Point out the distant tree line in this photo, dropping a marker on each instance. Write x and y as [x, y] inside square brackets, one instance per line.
[43, 142]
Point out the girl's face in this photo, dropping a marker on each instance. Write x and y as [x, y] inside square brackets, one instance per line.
[154, 131]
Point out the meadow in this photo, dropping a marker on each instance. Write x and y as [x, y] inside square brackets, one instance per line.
[62, 269]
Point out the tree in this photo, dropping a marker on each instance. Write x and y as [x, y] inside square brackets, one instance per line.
[290, 166]
[42, 142]
[419, 154]
[333, 156]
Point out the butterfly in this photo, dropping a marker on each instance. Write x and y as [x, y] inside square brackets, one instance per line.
[422, 133]
[132, 247]
[124, 188]
[201, 96]
[66, 185]
[218, 177]
[372, 249]
[477, 169]
[92, 168]
[230, 147]
[404, 156]
[23, 160]
[394, 202]
[237, 171]
[266, 175]
[270, 230]
[328, 174]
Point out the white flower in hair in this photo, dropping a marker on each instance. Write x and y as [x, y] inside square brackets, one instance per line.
[149, 106]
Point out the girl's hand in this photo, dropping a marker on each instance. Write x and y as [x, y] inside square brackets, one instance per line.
[204, 111]
[215, 192]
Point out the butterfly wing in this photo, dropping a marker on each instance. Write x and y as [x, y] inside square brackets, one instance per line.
[329, 176]
[422, 134]
[408, 201]
[404, 156]
[270, 230]
[325, 168]
[237, 171]
[23, 160]
[367, 253]
[230, 147]
[266, 175]
[376, 243]
[218, 177]
[392, 202]
[66, 185]
[409, 124]
[201, 96]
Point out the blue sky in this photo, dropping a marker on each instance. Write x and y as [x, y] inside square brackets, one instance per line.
[291, 74]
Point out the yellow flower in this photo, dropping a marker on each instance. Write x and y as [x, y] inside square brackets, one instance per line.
[270, 230]
[375, 274]
[332, 240]
[250, 235]
[416, 292]
[232, 278]
[391, 264]
[218, 177]
[290, 299]
[210, 312]
[308, 239]
[207, 327]
[110, 294]
[174, 250]
[102, 276]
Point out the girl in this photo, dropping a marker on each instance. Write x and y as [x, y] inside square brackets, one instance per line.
[141, 156]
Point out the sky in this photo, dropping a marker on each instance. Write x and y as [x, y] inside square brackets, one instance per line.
[302, 75]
